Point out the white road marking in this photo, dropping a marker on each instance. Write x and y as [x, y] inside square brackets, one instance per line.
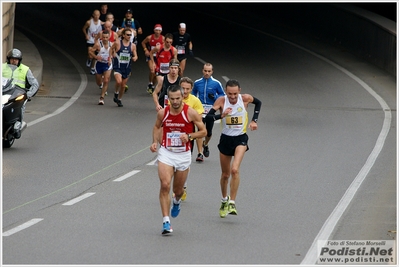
[331, 222]
[76, 200]
[152, 162]
[82, 86]
[225, 78]
[200, 60]
[127, 175]
[22, 227]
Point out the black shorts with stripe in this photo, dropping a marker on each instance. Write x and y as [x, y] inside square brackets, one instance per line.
[227, 144]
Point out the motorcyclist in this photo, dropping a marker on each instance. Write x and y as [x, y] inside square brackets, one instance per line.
[22, 77]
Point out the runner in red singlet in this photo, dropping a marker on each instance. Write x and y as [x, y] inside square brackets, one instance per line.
[176, 122]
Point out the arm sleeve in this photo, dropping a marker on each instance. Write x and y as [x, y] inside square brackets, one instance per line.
[210, 116]
[258, 104]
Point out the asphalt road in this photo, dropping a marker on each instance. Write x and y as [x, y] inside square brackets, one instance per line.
[83, 178]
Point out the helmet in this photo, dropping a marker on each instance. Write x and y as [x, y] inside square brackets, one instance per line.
[14, 53]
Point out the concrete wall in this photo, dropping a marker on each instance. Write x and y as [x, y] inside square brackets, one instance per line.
[8, 28]
[366, 35]
[358, 31]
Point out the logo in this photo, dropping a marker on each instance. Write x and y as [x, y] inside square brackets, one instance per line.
[356, 252]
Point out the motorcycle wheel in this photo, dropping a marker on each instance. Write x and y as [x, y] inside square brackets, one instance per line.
[7, 143]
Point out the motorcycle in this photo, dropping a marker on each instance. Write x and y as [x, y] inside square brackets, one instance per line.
[13, 101]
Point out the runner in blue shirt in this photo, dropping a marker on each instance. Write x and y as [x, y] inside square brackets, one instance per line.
[207, 89]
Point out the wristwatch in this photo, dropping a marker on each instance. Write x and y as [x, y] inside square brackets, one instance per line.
[189, 137]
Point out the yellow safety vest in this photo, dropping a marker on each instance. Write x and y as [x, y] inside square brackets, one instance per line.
[19, 74]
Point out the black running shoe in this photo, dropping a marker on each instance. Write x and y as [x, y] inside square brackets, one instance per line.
[200, 157]
[206, 151]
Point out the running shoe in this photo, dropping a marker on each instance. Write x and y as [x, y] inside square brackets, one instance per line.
[224, 208]
[150, 88]
[167, 228]
[200, 158]
[206, 151]
[92, 71]
[232, 209]
[101, 86]
[117, 101]
[174, 212]
[88, 63]
[126, 88]
[101, 101]
[184, 196]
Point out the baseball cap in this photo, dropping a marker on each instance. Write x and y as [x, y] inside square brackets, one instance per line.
[129, 11]
[158, 27]
[182, 25]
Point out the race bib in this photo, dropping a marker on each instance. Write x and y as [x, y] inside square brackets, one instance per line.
[124, 58]
[154, 54]
[164, 68]
[174, 143]
[104, 58]
[233, 121]
[181, 50]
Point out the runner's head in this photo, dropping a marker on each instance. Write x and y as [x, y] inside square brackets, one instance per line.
[174, 67]
[187, 84]
[182, 28]
[168, 40]
[175, 96]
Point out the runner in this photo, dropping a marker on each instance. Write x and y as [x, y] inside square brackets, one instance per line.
[176, 122]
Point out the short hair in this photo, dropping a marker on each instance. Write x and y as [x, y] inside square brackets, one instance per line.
[105, 32]
[186, 80]
[208, 65]
[232, 83]
[174, 88]
[126, 30]
[168, 36]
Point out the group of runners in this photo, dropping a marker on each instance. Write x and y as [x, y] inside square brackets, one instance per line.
[186, 109]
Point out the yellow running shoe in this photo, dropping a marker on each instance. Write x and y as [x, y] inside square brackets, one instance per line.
[232, 209]
[184, 196]
[224, 208]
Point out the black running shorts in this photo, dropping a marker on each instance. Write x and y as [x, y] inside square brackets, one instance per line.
[227, 144]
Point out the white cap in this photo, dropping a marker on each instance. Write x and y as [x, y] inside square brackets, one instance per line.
[182, 25]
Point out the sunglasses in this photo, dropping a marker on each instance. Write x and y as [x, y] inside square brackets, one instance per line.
[129, 34]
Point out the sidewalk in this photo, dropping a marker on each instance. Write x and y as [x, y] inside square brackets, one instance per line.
[30, 55]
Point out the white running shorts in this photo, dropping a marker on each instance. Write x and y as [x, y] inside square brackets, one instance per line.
[179, 161]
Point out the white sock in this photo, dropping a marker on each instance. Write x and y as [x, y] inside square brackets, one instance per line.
[175, 201]
[224, 199]
[232, 202]
[166, 219]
